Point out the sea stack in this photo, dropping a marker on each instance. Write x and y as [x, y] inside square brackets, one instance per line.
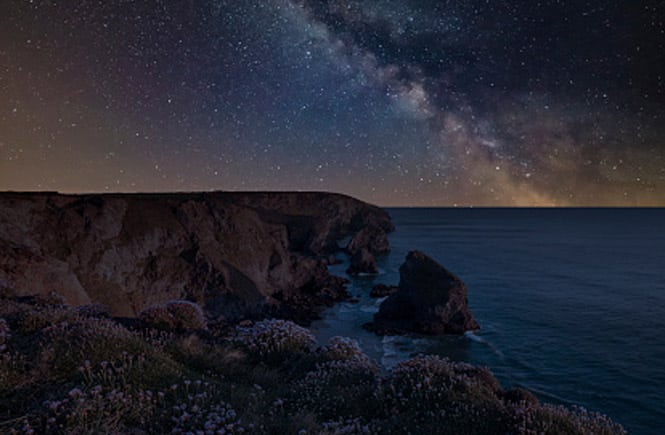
[362, 262]
[429, 300]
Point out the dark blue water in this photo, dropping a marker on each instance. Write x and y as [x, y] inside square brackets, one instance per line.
[571, 302]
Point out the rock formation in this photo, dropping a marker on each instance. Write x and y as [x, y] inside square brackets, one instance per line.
[373, 238]
[237, 254]
[382, 290]
[429, 300]
[362, 262]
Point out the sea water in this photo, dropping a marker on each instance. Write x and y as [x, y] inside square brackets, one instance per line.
[571, 302]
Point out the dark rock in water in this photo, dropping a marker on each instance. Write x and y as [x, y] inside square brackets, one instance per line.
[240, 255]
[430, 300]
[374, 239]
[362, 262]
[382, 290]
[314, 288]
[332, 260]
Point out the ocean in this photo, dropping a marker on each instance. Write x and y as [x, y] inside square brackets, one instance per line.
[571, 302]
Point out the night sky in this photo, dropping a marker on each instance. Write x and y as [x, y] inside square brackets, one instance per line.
[494, 103]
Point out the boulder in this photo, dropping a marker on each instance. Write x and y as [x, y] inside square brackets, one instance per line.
[362, 262]
[382, 290]
[429, 300]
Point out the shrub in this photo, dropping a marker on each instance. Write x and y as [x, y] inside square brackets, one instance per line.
[431, 379]
[8, 305]
[14, 370]
[174, 316]
[157, 316]
[4, 334]
[272, 337]
[157, 339]
[535, 419]
[188, 315]
[196, 407]
[344, 427]
[135, 371]
[428, 389]
[31, 319]
[65, 345]
[343, 349]
[94, 310]
[13, 367]
[96, 410]
[51, 299]
[342, 388]
[206, 356]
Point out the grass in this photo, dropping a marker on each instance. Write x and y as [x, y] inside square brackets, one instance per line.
[77, 371]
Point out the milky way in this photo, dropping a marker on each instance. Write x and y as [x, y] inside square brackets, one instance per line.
[396, 102]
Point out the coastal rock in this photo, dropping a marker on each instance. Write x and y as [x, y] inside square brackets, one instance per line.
[373, 238]
[331, 260]
[430, 300]
[382, 290]
[316, 222]
[240, 255]
[362, 262]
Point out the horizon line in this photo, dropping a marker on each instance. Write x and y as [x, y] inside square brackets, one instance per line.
[405, 206]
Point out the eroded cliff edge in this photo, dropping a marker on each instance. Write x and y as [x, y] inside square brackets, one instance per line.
[236, 254]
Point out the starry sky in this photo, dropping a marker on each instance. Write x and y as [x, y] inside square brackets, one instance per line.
[411, 102]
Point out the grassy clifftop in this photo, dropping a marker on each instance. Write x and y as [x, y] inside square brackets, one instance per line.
[76, 370]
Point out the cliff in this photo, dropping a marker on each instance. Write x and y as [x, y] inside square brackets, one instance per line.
[237, 254]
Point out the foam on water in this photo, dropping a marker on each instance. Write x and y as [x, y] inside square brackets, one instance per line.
[473, 337]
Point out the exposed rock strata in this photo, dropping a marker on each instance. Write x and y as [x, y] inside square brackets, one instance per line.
[236, 254]
[429, 300]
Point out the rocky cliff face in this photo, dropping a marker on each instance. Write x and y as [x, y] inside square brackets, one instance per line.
[237, 254]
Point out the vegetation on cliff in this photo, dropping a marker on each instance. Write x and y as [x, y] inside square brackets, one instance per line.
[76, 370]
